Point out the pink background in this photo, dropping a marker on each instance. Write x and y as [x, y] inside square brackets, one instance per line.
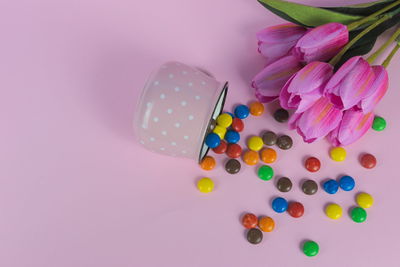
[76, 190]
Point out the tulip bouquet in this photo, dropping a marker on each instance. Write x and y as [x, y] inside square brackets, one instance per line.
[314, 66]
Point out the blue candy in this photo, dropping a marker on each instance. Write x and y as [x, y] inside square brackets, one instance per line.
[331, 186]
[242, 112]
[213, 140]
[232, 137]
[279, 205]
[347, 183]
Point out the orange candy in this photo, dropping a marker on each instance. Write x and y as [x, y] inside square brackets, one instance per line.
[256, 108]
[251, 157]
[208, 163]
[266, 224]
[268, 155]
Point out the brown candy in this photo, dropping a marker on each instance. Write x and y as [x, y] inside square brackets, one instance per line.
[284, 142]
[281, 115]
[232, 166]
[284, 184]
[254, 236]
[309, 187]
[269, 138]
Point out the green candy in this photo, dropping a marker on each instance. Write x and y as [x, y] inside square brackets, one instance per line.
[265, 173]
[379, 124]
[310, 248]
[358, 214]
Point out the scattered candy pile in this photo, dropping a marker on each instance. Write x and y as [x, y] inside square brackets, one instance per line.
[223, 138]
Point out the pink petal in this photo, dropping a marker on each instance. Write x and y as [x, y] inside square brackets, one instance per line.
[316, 122]
[322, 43]
[352, 127]
[305, 87]
[378, 88]
[269, 82]
[276, 41]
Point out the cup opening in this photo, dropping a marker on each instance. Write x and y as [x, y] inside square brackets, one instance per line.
[217, 110]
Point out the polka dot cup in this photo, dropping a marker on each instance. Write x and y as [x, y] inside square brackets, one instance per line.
[176, 108]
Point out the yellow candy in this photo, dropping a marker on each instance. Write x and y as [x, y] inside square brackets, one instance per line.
[221, 131]
[364, 200]
[255, 143]
[333, 211]
[224, 120]
[205, 185]
[338, 154]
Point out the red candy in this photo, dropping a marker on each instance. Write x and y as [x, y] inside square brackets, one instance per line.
[221, 149]
[312, 164]
[296, 209]
[237, 125]
[249, 220]
[368, 161]
[234, 150]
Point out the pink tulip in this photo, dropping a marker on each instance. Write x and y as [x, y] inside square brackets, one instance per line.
[276, 41]
[269, 82]
[379, 88]
[351, 83]
[305, 87]
[317, 121]
[322, 42]
[352, 127]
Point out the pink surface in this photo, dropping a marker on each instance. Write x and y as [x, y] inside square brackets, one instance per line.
[76, 190]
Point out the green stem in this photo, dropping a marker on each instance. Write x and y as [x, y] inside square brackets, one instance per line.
[360, 22]
[373, 57]
[337, 58]
[390, 56]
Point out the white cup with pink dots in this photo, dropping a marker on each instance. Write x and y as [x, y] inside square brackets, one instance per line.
[176, 110]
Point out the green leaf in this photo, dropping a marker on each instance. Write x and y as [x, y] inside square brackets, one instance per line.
[307, 16]
[364, 9]
[367, 42]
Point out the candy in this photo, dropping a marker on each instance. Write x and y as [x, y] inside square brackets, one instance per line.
[230, 114]
[333, 211]
[268, 155]
[254, 236]
[232, 166]
[269, 138]
[212, 140]
[358, 215]
[284, 142]
[310, 248]
[234, 150]
[251, 157]
[205, 185]
[221, 131]
[237, 125]
[379, 124]
[208, 163]
[281, 115]
[232, 137]
[265, 173]
[309, 187]
[266, 224]
[295, 209]
[331, 186]
[338, 154]
[312, 164]
[255, 143]
[221, 149]
[249, 220]
[256, 108]
[242, 111]
[284, 184]
[368, 161]
[347, 183]
[279, 205]
[224, 120]
[364, 200]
